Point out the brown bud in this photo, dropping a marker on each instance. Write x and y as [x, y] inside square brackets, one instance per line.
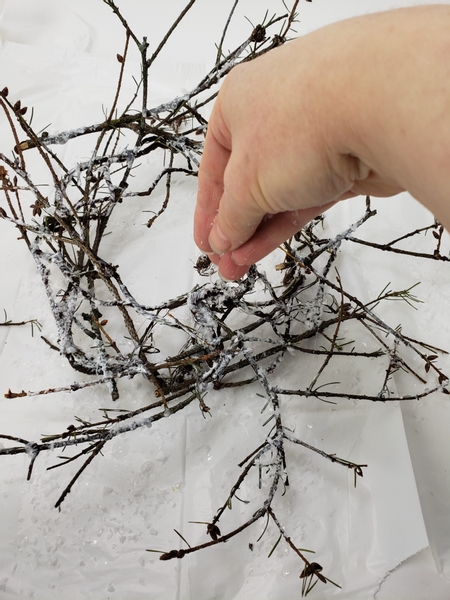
[37, 209]
[120, 58]
[23, 110]
[258, 34]
[4, 92]
[17, 105]
[213, 531]
[169, 555]
[2, 212]
[311, 569]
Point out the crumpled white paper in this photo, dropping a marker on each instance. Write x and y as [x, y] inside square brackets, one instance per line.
[59, 58]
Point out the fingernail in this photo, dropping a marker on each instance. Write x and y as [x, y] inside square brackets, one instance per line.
[224, 278]
[237, 262]
[217, 240]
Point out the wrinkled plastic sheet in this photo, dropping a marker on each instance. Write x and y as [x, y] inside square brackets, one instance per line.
[59, 57]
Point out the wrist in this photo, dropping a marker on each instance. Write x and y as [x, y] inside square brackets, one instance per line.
[396, 114]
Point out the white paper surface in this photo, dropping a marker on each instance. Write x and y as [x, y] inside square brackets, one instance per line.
[60, 58]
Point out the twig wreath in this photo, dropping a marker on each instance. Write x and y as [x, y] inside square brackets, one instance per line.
[235, 334]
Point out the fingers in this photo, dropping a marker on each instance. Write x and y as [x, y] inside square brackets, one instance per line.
[227, 214]
[229, 270]
[272, 232]
[236, 221]
[210, 178]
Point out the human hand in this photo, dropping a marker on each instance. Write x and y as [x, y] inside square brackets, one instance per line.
[279, 151]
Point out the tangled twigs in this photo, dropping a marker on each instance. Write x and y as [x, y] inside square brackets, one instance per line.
[233, 335]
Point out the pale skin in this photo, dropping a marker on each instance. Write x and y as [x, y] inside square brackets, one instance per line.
[359, 107]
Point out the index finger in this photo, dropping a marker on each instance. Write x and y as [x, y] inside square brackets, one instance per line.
[215, 158]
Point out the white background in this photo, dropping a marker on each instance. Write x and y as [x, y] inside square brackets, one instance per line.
[59, 56]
